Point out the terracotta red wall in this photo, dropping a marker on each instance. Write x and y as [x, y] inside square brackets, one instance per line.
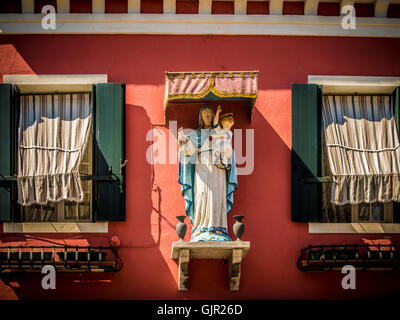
[153, 194]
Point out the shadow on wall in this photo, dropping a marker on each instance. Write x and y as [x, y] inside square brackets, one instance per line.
[12, 62]
[26, 286]
[139, 235]
[143, 198]
[263, 197]
[268, 271]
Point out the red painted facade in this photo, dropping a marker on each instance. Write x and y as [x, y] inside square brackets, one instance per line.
[153, 194]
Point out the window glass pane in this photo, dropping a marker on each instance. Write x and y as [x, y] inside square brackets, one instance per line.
[81, 211]
[38, 213]
[370, 212]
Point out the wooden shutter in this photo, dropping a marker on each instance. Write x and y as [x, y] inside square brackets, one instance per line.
[109, 127]
[6, 152]
[306, 152]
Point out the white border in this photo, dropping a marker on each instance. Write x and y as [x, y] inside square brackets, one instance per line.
[192, 24]
[374, 228]
[59, 79]
[55, 82]
[354, 81]
[53, 227]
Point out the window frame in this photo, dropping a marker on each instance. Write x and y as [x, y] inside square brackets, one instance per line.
[350, 85]
[59, 207]
[56, 83]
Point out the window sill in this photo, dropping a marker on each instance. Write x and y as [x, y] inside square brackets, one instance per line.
[353, 227]
[55, 227]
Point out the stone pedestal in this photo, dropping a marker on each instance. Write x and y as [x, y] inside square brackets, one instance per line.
[233, 251]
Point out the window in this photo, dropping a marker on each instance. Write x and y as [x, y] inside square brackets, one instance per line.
[101, 168]
[312, 178]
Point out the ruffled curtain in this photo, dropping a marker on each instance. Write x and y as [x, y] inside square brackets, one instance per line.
[52, 134]
[363, 149]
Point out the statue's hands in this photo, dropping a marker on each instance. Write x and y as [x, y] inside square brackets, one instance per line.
[182, 138]
[219, 109]
[226, 153]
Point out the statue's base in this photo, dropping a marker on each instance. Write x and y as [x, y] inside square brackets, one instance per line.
[234, 251]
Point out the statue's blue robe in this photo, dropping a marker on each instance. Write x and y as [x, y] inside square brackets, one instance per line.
[186, 176]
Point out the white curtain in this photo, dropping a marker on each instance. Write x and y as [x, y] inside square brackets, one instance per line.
[363, 149]
[52, 137]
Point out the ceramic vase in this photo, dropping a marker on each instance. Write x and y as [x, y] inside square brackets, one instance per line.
[238, 227]
[181, 227]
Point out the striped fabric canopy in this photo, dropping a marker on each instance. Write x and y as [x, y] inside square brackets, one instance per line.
[222, 85]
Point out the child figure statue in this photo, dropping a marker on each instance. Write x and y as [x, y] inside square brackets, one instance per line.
[222, 140]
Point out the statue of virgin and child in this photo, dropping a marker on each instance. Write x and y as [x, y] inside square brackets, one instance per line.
[207, 174]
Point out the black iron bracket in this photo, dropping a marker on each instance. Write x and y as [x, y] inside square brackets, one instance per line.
[372, 257]
[63, 258]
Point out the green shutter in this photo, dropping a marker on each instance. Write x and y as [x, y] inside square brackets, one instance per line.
[110, 150]
[6, 100]
[306, 152]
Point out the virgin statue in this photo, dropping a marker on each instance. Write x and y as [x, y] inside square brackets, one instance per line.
[206, 187]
